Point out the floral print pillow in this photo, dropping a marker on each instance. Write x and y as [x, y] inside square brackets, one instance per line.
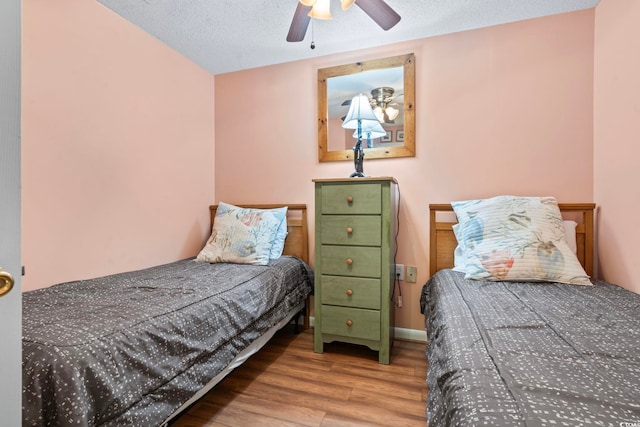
[242, 235]
[515, 239]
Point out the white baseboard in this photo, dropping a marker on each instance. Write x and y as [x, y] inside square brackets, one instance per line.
[411, 335]
[400, 333]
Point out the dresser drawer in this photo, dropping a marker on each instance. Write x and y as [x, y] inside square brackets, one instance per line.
[352, 199]
[357, 230]
[351, 292]
[351, 322]
[358, 261]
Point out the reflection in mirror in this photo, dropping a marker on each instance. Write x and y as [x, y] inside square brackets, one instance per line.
[389, 85]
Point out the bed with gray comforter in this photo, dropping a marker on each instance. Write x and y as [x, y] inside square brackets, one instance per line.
[130, 349]
[531, 354]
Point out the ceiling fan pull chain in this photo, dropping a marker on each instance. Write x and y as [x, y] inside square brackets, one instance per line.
[313, 44]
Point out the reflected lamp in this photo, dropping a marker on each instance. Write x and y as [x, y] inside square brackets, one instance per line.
[371, 131]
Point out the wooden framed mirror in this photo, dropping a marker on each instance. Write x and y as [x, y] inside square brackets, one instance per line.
[390, 85]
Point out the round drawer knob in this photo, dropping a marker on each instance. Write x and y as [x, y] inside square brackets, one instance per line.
[349, 323]
[349, 199]
[349, 230]
[349, 261]
[349, 292]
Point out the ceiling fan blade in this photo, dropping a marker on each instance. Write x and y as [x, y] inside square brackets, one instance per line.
[347, 102]
[380, 12]
[299, 23]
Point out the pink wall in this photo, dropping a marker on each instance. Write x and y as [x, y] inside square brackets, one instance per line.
[506, 109]
[118, 136]
[617, 139]
[117, 145]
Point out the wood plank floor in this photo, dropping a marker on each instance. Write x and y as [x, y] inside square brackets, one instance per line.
[287, 384]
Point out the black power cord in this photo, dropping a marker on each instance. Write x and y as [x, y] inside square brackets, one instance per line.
[396, 281]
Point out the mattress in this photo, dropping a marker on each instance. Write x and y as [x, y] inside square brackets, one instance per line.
[531, 354]
[131, 348]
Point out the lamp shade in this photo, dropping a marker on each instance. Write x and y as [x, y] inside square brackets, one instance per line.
[392, 113]
[346, 4]
[321, 10]
[371, 130]
[359, 111]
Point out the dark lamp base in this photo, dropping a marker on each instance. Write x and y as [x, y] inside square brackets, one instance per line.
[358, 159]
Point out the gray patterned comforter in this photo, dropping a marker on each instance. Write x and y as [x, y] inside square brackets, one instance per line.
[131, 348]
[531, 354]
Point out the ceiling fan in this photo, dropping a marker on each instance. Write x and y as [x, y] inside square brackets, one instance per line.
[378, 10]
[382, 104]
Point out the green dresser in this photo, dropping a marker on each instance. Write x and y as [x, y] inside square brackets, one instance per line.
[354, 248]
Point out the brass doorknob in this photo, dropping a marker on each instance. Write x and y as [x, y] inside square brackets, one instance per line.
[6, 282]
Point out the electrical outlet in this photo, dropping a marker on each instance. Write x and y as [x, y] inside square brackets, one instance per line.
[400, 271]
[412, 273]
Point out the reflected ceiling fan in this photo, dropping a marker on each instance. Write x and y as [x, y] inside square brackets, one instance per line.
[382, 104]
[377, 10]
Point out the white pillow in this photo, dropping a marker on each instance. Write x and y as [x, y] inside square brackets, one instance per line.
[281, 233]
[515, 239]
[242, 235]
[570, 234]
[459, 259]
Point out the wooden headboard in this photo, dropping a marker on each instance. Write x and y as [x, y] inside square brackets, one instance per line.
[297, 243]
[443, 242]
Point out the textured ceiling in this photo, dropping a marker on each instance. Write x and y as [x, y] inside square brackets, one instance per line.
[229, 35]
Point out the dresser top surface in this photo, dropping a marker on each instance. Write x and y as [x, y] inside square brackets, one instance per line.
[354, 180]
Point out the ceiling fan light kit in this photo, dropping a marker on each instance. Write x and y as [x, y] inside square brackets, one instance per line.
[320, 9]
[346, 4]
[381, 99]
[378, 10]
[390, 113]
